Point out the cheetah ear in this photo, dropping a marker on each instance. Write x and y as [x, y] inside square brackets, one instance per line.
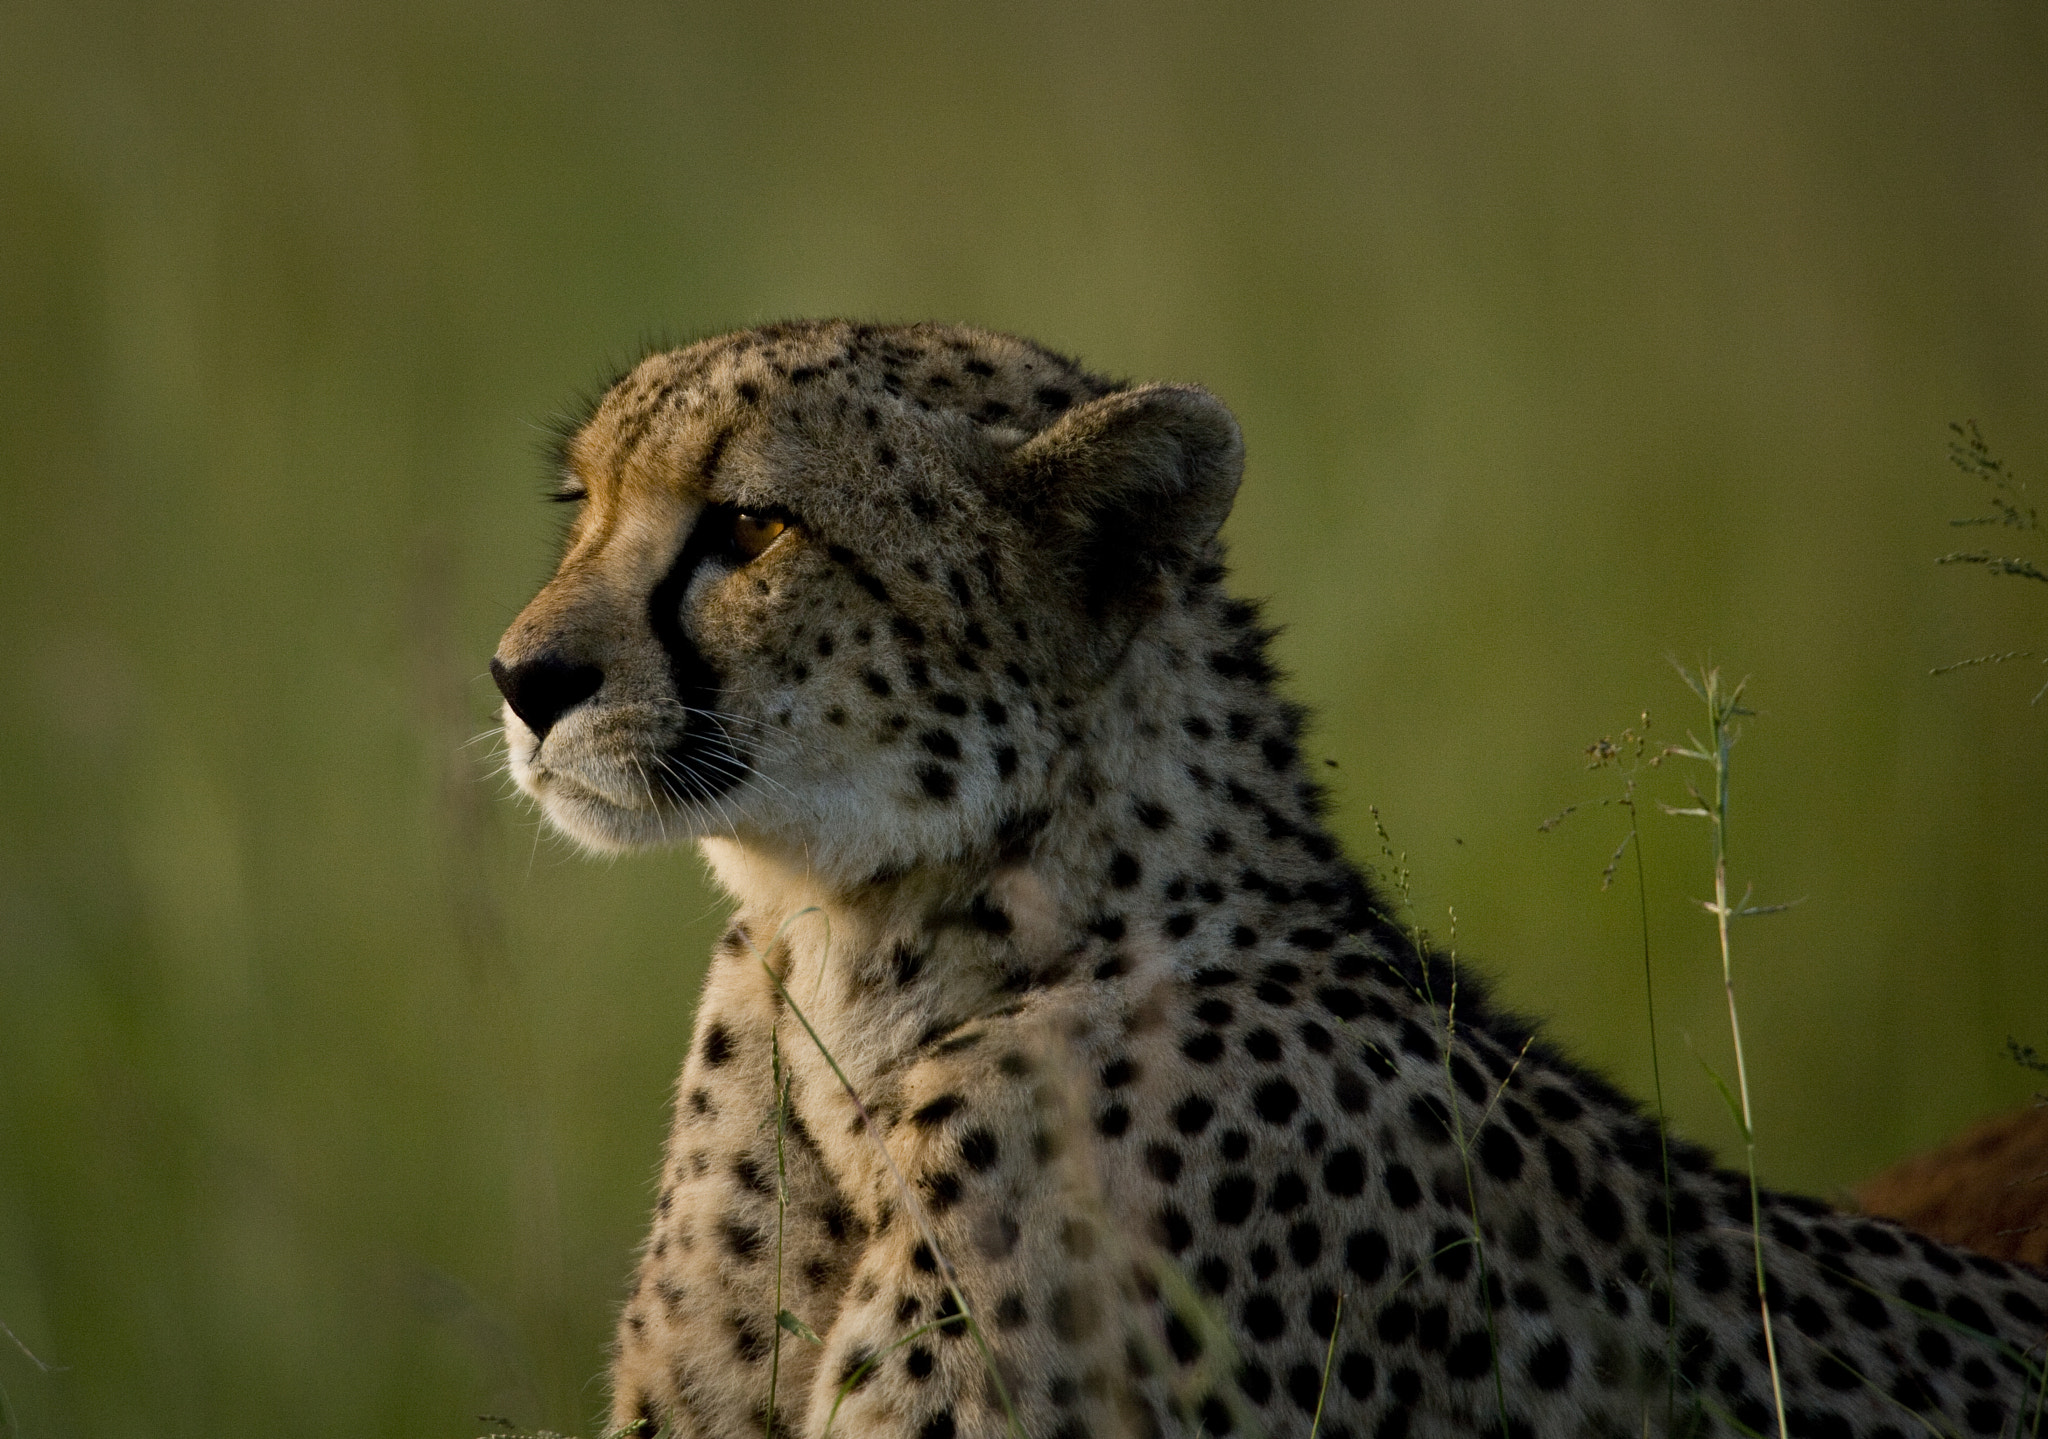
[1129, 486]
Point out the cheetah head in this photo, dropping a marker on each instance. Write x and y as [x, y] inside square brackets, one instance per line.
[845, 591]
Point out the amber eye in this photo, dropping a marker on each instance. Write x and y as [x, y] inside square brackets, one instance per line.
[752, 534]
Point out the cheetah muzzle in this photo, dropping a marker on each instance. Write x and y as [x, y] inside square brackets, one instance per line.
[1161, 1126]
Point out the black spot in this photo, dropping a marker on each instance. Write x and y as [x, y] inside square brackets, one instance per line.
[1472, 1355]
[1550, 1365]
[1350, 1092]
[1215, 1415]
[987, 918]
[942, 1190]
[717, 1046]
[1214, 1275]
[877, 682]
[1311, 939]
[1305, 1243]
[1418, 1041]
[1006, 760]
[1163, 1161]
[1356, 1373]
[1969, 1313]
[1290, 1192]
[937, 1112]
[1346, 1004]
[1150, 815]
[1181, 1340]
[938, 783]
[1985, 1416]
[979, 1149]
[742, 1241]
[1789, 1234]
[1867, 1309]
[939, 1426]
[1174, 1230]
[1276, 1100]
[1204, 1048]
[908, 963]
[1344, 1173]
[941, 743]
[1234, 1145]
[1366, 1254]
[949, 704]
[1232, 1199]
[1430, 1119]
[1263, 1045]
[1113, 1121]
[1192, 1115]
[1811, 1316]
[1564, 1169]
[1305, 1387]
[1263, 1318]
[1123, 870]
[1179, 926]
[1396, 1322]
[1402, 1187]
[1710, 1269]
[1500, 1153]
[1602, 1213]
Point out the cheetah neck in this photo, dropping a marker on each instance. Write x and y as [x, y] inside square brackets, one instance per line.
[1173, 827]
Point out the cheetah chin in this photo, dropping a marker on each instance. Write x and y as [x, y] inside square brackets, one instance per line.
[1058, 1076]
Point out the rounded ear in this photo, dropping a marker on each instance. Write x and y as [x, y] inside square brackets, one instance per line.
[1129, 486]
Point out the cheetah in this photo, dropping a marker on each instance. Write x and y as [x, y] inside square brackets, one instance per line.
[1057, 1075]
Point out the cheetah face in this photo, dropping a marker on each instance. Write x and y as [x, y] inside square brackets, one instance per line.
[830, 616]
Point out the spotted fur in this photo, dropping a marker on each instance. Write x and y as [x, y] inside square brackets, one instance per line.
[995, 770]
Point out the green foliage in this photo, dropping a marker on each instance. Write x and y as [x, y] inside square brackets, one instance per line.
[2011, 508]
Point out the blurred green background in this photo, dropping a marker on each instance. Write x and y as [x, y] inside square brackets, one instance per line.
[1564, 338]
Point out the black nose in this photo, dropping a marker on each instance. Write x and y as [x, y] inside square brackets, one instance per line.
[543, 689]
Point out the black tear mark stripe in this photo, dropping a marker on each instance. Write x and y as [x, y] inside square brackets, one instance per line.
[703, 763]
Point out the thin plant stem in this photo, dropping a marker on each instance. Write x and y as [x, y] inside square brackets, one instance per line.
[781, 1213]
[1663, 1131]
[1329, 1355]
[1398, 872]
[910, 1204]
[1723, 707]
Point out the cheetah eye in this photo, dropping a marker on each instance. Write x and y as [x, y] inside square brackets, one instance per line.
[753, 534]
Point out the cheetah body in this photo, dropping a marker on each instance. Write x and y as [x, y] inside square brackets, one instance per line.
[1049, 995]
